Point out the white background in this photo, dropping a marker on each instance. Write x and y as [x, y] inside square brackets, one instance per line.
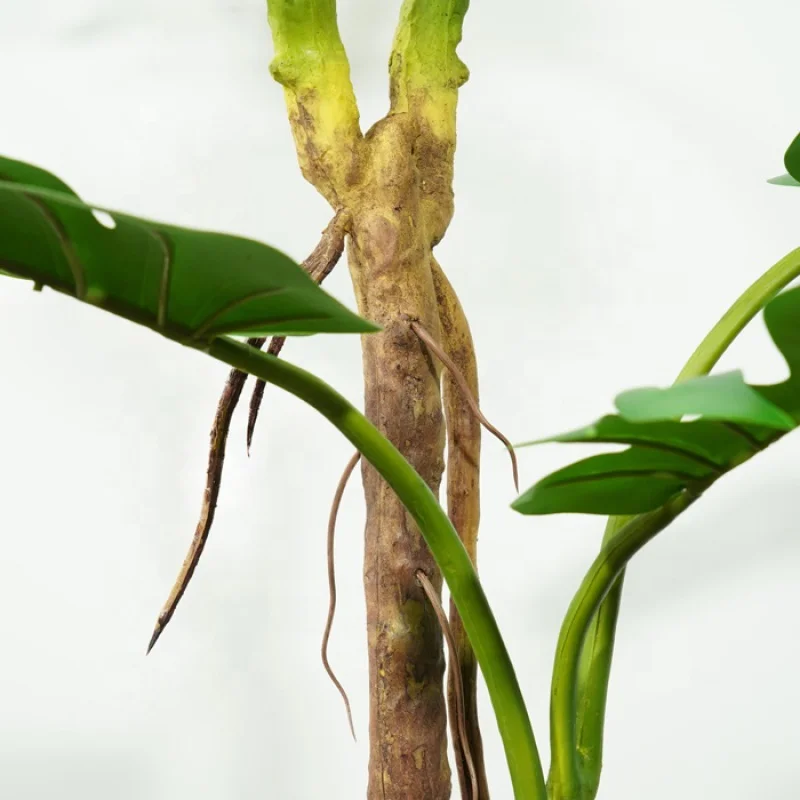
[611, 202]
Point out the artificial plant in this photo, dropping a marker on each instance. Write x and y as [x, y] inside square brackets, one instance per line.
[390, 192]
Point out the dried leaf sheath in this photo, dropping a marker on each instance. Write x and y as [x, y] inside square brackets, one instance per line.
[463, 500]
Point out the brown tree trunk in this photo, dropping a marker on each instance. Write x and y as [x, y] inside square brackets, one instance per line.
[390, 262]
[394, 185]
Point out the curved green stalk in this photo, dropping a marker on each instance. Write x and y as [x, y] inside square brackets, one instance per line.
[565, 782]
[594, 671]
[465, 588]
[733, 322]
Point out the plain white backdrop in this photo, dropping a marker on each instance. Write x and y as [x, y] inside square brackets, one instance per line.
[611, 202]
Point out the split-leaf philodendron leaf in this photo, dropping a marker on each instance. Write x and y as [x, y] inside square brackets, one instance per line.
[188, 285]
[792, 163]
[792, 158]
[667, 455]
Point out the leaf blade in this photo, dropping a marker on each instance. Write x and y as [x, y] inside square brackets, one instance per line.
[783, 180]
[171, 279]
[633, 481]
[720, 397]
[705, 440]
[791, 159]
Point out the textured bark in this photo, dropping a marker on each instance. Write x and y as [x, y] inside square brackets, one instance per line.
[395, 184]
[463, 507]
[390, 262]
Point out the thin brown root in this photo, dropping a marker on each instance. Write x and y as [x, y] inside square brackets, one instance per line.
[320, 262]
[430, 593]
[274, 349]
[318, 265]
[337, 500]
[216, 457]
[436, 349]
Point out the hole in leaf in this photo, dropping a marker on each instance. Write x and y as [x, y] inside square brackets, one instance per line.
[105, 219]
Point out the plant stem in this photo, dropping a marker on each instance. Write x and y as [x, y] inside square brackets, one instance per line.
[565, 782]
[451, 557]
[463, 505]
[311, 64]
[598, 648]
[734, 320]
[396, 184]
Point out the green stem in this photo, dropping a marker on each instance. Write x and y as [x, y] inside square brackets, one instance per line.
[465, 588]
[424, 50]
[733, 322]
[565, 781]
[598, 648]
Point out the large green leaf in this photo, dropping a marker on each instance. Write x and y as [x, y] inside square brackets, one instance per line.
[791, 161]
[668, 456]
[631, 482]
[708, 442]
[792, 158]
[723, 397]
[189, 285]
[782, 318]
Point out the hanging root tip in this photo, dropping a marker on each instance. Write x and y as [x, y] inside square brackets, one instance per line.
[350, 722]
[337, 500]
[157, 631]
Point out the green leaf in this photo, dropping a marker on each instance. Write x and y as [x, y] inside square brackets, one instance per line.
[188, 285]
[784, 180]
[634, 481]
[712, 443]
[782, 318]
[724, 397]
[792, 158]
[737, 421]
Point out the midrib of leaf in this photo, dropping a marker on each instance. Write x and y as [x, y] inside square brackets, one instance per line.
[628, 473]
[209, 321]
[755, 445]
[663, 447]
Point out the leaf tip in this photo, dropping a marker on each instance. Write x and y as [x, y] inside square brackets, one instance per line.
[783, 180]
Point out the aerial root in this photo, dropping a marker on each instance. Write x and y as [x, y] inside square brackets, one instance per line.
[216, 458]
[433, 599]
[461, 382]
[319, 264]
[337, 500]
[274, 349]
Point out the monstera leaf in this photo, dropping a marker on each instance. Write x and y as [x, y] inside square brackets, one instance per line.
[666, 454]
[792, 163]
[188, 285]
